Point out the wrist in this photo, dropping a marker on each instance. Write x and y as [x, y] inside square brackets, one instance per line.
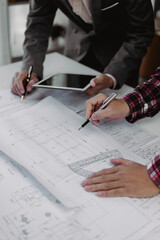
[110, 82]
[126, 108]
[113, 83]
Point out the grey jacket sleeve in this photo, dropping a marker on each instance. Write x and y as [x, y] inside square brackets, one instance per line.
[140, 31]
[39, 27]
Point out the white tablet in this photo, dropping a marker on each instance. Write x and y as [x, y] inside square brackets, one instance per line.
[67, 81]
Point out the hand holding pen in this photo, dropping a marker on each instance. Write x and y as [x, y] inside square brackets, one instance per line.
[27, 81]
[20, 86]
[97, 108]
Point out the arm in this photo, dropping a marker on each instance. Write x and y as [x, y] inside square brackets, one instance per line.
[139, 34]
[39, 28]
[139, 31]
[127, 178]
[144, 101]
[153, 169]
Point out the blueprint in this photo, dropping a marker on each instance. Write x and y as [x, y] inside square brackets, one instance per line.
[44, 142]
[40, 181]
[31, 212]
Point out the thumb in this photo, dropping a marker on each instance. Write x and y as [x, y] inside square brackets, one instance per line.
[33, 80]
[92, 82]
[100, 114]
[96, 80]
[120, 161]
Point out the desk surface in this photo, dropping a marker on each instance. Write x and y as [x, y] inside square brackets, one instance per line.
[55, 62]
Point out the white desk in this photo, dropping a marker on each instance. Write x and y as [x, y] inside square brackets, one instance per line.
[58, 63]
[55, 62]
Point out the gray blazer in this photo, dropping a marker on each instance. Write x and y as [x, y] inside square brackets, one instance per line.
[120, 34]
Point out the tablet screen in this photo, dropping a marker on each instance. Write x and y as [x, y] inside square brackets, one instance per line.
[67, 81]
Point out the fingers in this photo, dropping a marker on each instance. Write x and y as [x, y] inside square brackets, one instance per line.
[103, 186]
[121, 161]
[96, 122]
[118, 192]
[31, 83]
[111, 112]
[106, 183]
[98, 83]
[92, 82]
[100, 179]
[116, 110]
[101, 114]
[94, 103]
[107, 171]
[18, 82]
[106, 186]
[127, 178]
[15, 89]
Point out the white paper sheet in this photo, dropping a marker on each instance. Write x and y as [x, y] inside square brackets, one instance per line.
[45, 139]
[10, 103]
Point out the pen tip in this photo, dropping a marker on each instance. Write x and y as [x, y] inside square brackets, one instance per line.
[79, 128]
[22, 97]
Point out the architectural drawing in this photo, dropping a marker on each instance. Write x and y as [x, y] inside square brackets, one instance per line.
[89, 165]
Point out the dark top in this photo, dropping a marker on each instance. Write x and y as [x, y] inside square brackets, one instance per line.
[121, 32]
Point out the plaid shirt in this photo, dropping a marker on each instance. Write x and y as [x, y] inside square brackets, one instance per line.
[153, 169]
[144, 101]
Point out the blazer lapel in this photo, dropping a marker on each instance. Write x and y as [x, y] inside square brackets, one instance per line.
[96, 14]
[67, 9]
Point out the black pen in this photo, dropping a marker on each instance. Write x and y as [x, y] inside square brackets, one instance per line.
[104, 104]
[27, 81]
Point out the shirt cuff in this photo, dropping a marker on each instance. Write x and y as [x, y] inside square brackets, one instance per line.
[138, 107]
[153, 169]
[114, 80]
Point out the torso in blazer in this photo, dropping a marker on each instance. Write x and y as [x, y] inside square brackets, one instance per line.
[106, 35]
[119, 35]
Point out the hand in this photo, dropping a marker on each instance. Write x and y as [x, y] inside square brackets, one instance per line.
[115, 110]
[18, 81]
[99, 83]
[127, 178]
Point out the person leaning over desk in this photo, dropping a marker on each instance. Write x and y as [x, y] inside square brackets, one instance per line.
[110, 36]
[127, 178]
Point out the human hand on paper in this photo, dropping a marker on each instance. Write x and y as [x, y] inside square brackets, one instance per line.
[99, 83]
[127, 178]
[18, 82]
[117, 109]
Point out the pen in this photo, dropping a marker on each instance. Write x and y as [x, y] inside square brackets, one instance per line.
[104, 104]
[27, 81]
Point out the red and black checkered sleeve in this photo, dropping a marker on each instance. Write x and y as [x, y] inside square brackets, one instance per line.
[153, 169]
[144, 101]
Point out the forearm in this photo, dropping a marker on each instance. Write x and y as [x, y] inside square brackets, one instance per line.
[139, 35]
[153, 169]
[39, 27]
[144, 101]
